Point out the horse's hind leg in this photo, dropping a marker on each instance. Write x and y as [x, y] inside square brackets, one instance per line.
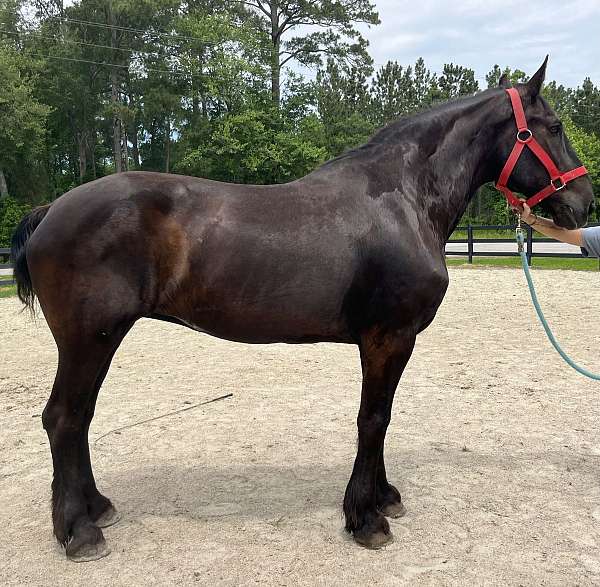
[83, 363]
[100, 509]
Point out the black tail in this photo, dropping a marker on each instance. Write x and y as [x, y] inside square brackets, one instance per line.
[19, 258]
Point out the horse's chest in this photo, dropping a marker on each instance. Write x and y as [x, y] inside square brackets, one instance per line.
[412, 295]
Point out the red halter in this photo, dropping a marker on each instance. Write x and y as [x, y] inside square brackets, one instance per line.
[525, 138]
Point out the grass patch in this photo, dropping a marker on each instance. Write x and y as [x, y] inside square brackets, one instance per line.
[477, 234]
[507, 234]
[537, 263]
[7, 291]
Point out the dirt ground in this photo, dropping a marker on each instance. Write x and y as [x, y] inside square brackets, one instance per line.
[494, 446]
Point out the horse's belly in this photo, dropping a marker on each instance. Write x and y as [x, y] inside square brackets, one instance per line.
[297, 319]
[266, 333]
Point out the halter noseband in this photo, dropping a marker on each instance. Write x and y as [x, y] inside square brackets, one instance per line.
[525, 138]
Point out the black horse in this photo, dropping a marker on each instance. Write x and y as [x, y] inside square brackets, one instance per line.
[353, 253]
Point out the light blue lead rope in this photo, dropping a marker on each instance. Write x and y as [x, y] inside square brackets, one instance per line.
[536, 303]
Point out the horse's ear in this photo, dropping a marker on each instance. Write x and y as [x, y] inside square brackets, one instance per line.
[534, 85]
[505, 81]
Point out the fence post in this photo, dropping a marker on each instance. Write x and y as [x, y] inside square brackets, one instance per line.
[529, 244]
[470, 242]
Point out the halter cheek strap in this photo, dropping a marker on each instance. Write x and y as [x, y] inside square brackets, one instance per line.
[525, 138]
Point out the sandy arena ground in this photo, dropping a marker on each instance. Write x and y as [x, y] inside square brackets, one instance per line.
[494, 445]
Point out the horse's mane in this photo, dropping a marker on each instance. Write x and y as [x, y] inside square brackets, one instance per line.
[423, 117]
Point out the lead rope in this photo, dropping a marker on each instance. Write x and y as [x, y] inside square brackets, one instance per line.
[538, 309]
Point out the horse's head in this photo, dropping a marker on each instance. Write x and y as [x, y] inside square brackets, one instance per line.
[572, 201]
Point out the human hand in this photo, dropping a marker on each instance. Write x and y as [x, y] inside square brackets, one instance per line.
[527, 215]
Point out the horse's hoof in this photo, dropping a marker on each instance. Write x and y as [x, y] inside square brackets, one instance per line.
[87, 543]
[374, 541]
[393, 510]
[87, 552]
[374, 534]
[108, 518]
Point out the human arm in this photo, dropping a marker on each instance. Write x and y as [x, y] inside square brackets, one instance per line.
[548, 228]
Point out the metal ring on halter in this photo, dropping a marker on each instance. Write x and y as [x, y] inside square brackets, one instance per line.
[525, 130]
[562, 185]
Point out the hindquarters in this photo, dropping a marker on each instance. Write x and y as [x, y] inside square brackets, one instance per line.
[104, 254]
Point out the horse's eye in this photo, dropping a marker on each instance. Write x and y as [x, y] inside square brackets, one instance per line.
[555, 129]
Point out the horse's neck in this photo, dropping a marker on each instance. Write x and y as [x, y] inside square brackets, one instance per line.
[460, 168]
[447, 172]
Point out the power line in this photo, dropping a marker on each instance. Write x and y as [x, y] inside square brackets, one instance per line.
[132, 30]
[167, 71]
[39, 35]
[125, 49]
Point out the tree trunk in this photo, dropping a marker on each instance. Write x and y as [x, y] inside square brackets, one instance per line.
[275, 57]
[195, 103]
[93, 150]
[135, 148]
[117, 154]
[168, 146]
[3, 186]
[195, 99]
[125, 148]
[203, 98]
[114, 99]
[82, 147]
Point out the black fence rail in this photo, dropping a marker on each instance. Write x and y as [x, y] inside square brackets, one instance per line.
[530, 239]
[4, 264]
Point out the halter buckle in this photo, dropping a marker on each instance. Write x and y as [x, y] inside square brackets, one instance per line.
[528, 136]
[558, 186]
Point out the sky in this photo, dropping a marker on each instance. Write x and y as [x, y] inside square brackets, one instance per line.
[481, 33]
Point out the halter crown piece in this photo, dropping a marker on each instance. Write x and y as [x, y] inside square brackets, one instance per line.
[525, 138]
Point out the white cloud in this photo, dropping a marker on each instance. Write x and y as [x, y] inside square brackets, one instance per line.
[481, 33]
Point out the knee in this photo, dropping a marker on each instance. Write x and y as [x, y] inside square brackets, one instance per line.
[49, 419]
[373, 423]
[56, 418]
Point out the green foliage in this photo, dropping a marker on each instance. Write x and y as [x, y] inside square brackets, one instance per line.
[587, 147]
[22, 120]
[560, 98]
[397, 91]
[456, 81]
[11, 213]
[493, 77]
[586, 107]
[254, 147]
[344, 106]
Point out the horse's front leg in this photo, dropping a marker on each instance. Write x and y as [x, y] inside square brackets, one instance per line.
[384, 357]
[389, 502]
